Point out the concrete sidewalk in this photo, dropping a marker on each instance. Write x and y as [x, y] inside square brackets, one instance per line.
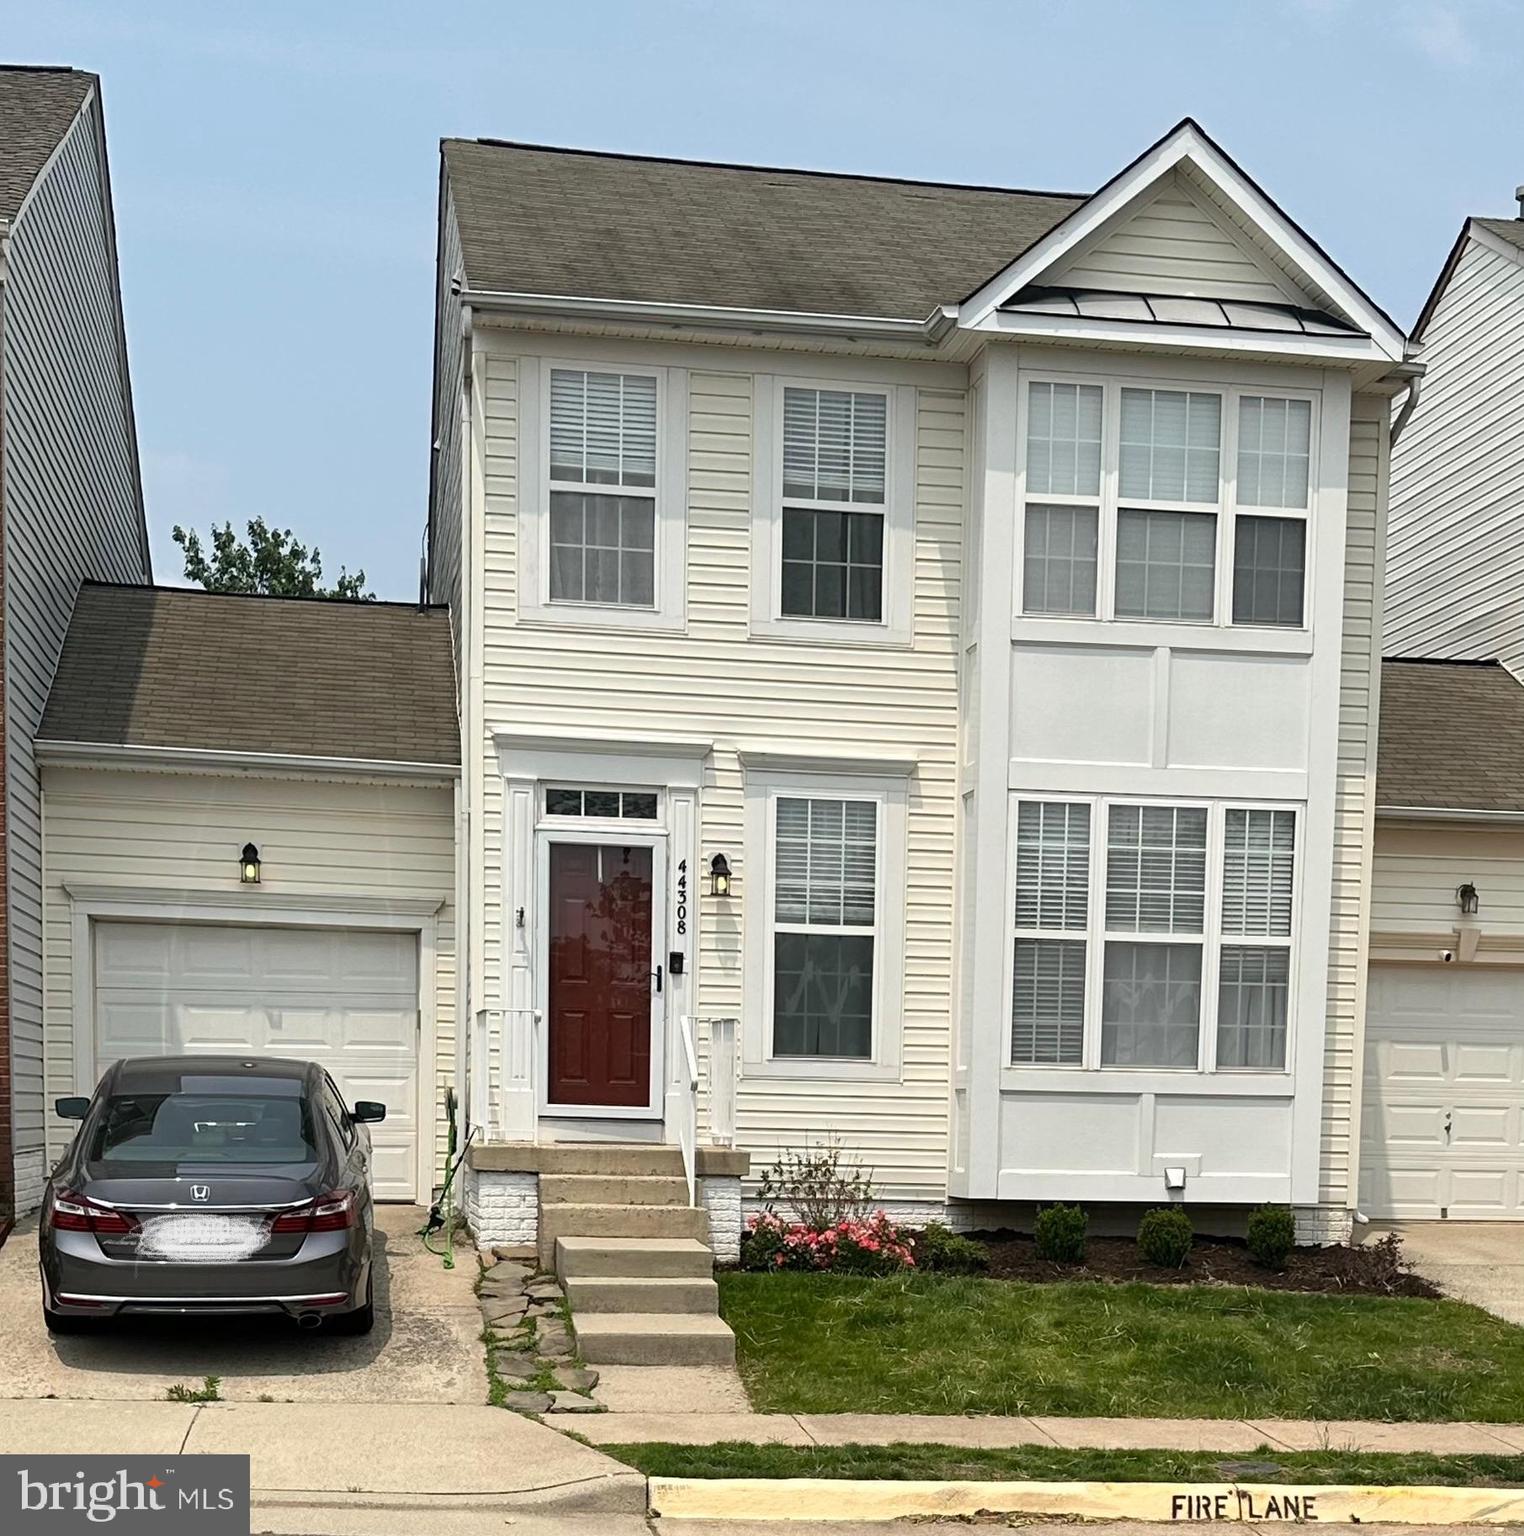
[1231, 1435]
[348, 1455]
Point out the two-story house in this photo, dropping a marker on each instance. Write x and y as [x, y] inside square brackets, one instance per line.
[918, 662]
[70, 507]
[1443, 1128]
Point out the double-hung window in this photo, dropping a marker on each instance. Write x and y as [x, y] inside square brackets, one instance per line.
[825, 893]
[1168, 946]
[1180, 505]
[601, 476]
[1254, 983]
[831, 562]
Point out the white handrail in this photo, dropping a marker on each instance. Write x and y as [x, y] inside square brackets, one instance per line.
[687, 1109]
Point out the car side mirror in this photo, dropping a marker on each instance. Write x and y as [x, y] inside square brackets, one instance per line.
[367, 1112]
[72, 1108]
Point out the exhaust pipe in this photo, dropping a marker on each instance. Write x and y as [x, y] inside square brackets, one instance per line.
[309, 1320]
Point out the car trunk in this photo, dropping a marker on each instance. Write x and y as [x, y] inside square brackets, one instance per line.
[207, 1215]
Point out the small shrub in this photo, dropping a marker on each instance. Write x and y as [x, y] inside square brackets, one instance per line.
[210, 1391]
[874, 1246]
[818, 1187]
[1164, 1237]
[943, 1252]
[1271, 1235]
[1379, 1266]
[1060, 1233]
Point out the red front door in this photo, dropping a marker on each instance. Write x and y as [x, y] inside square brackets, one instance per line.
[600, 974]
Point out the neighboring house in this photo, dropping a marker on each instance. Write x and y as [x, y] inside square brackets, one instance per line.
[70, 505]
[184, 729]
[918, 664]
[1455, 545]
[1443, 1122]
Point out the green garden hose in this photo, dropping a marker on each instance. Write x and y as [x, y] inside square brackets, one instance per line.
[442, 1212]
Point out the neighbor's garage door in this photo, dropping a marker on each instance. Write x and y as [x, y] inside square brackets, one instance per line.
[345, 998]
[1442, 1128]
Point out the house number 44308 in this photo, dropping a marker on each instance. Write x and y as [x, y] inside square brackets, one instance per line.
[682, 896]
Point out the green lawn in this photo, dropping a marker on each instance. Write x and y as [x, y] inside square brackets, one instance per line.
[1047, 1464]
[926, 1344]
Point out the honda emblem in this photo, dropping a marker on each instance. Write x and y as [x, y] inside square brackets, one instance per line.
[201, 1191]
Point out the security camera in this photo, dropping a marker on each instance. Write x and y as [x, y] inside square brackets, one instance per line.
[1447, 956]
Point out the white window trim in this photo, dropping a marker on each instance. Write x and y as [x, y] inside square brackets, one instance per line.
[896, 626]
[1109, 502]
[1096, 935]
[891, 794]
[670, 500]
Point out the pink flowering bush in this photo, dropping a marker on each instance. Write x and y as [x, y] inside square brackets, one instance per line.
[867, 1245]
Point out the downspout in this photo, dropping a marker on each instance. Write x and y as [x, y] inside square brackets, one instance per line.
[1415, 387]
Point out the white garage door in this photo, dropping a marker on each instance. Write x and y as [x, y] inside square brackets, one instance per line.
[1442, 1129]
[342, 997]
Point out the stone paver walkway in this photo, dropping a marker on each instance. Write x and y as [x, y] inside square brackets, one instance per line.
[1228, 1435]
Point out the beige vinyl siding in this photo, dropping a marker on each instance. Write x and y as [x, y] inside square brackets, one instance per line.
[71, 511]
[1418, 869]
[1173, 245]
[1455, 560]
[445, 482]
[181, 833]
[719, 681]
[1354, 799]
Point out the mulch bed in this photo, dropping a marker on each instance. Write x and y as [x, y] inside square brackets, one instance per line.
[1372, 1269]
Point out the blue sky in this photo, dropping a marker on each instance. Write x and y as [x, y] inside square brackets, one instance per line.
[275, 170]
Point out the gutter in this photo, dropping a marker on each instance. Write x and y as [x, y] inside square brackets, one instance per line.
[125, 755]
[927, 332]
[1451, 813]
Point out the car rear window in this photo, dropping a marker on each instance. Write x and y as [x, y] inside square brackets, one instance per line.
[208, 1120]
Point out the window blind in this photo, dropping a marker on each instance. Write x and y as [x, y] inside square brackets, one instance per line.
[1048, 1004]
[1064, 440]
[1274, 451]
[827, 855]
[1258, 853]
[1052, 864]
[1169, 448]
[835, 444]
[602, 428]
[1156, 869]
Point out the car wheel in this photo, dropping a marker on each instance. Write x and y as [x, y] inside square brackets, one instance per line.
[58, 1322]
[363, 1318]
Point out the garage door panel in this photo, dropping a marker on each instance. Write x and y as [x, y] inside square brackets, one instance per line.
[1444, 1084]
[346, 999]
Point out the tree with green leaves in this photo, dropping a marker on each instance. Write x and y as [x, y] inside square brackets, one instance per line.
[270, 563]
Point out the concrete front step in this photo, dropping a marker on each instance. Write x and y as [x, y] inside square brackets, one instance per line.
[612, 1189]
[631, 1293]
[653, 1338]
[569, 1219]
[650, 1258]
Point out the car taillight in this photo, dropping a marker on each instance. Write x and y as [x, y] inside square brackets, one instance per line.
[332, 1212]
[74, 1213]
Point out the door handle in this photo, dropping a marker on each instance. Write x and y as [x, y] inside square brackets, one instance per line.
[658, 979]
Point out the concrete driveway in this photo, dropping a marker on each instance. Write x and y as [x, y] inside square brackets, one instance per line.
[425, 1347]
[1477, 1261]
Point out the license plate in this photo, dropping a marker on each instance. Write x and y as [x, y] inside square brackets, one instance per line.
[201, 1237]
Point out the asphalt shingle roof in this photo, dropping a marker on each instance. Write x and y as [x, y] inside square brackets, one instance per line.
[1452, 736]
[36, 108]
[166, 667]
[576, 223]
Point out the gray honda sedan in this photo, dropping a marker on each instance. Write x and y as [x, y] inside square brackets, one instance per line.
[210, 1186]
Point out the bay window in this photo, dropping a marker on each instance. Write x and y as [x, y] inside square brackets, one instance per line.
[1168, 946]
[1186, 506]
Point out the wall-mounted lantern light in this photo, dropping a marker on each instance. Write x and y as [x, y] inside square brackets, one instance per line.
[1467, 900]
[248, 865]
[719, 875]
